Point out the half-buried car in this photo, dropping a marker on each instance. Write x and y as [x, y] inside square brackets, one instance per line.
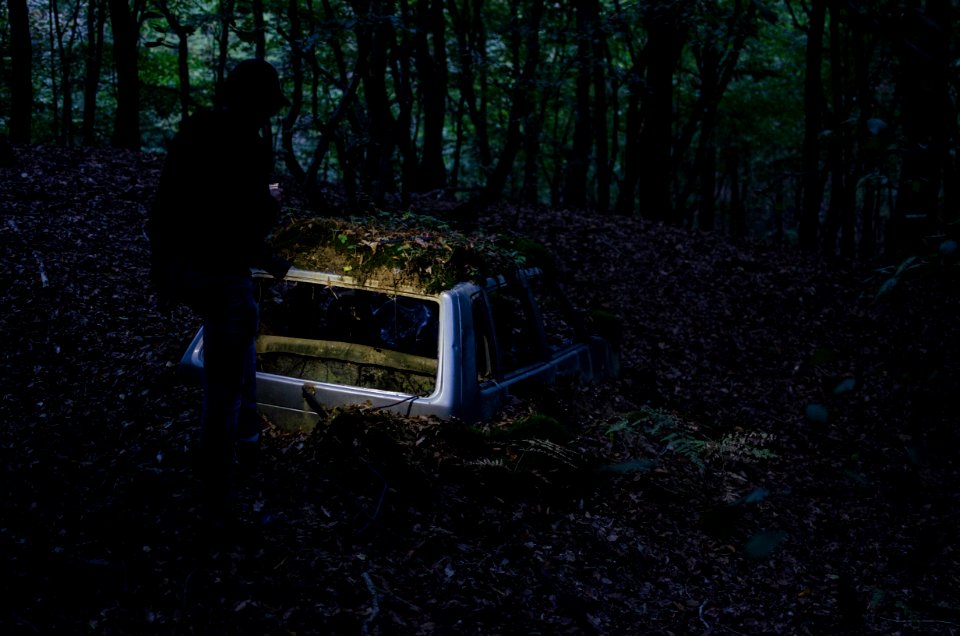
[416, 322]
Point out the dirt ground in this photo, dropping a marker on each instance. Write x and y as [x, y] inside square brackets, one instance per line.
[779, 454]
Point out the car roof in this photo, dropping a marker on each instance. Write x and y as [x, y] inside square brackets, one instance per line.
[421, 257]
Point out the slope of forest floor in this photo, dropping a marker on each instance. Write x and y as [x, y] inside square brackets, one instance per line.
[779, 454]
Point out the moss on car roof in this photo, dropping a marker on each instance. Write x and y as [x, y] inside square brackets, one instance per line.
[408, 250]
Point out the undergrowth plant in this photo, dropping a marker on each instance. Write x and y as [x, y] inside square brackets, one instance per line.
[685, 439]
[946, 260]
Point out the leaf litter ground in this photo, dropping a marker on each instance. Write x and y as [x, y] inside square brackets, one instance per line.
[779, 454]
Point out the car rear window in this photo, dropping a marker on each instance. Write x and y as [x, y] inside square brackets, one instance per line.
[348, 336]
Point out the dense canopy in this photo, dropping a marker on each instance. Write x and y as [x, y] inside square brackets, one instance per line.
[833, 125]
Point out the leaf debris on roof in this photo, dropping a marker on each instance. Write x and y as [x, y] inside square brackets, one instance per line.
[411, 250]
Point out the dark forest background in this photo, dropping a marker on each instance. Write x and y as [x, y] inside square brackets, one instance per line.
[831, 124]
[778, 455]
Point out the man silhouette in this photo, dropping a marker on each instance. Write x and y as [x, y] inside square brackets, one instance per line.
[207, 228]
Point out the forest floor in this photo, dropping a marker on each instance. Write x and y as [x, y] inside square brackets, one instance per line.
[778, 456]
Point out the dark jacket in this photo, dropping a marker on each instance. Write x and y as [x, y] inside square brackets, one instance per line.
[213, 208]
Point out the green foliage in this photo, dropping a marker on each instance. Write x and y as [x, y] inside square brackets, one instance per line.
[896, 274]
[410, 250]
[691, 448]
[753, 131]
[685, 440]
[941, 262]
[744, 447]
[646, 419]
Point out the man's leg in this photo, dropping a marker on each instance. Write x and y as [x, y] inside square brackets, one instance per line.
[230, 325]
[249, 423]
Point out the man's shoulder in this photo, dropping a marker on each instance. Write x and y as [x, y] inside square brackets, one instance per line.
[201, 133]
[203, 121]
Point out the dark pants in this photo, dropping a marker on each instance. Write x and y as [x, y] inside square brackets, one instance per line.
[230, 323]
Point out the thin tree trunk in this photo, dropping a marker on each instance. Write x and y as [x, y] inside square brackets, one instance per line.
[809, 226]
[667, 35]
[614, 149]
[837, 141]
[65, 30]
[21, 88]
[705, 162]
[380, 38]
[96, 19]
[432, 72]
[259, 30]
[297, 54]
[225, 18]
[520, 106]
[183, 57]
[869, 143]
[601, 157]
[627, 198]
[183, 69]
[471, 44]
[125, 27]
[578, 160]
[847, 193]
[532, 142]
[925, 112]
[717, 59]
[402, 53]
[54, 17]
[738, 213]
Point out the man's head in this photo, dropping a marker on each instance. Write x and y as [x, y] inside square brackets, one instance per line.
[253, 88]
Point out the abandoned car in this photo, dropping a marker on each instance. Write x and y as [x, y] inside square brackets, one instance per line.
[391, 324]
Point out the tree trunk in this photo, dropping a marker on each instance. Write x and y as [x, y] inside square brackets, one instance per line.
[225, 18]
[259, 30]
[705, 162]
[841, 46]
[183, 69]
[717, 53]
[297, 55]
[53, 17]
[809, 226]
[869, 142]
[667, 35]
[923, 86]
[627, 198]
[602, 154]
[403, 54]
[520, 104]
[578, 159]
[533, 125]
[738, 212]
[183, 56]
[432, 73]
[471, 45]
[21, 89]
[126, 32]
[93, 61]
[837, 141]
[349, 156]
[376, 38]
